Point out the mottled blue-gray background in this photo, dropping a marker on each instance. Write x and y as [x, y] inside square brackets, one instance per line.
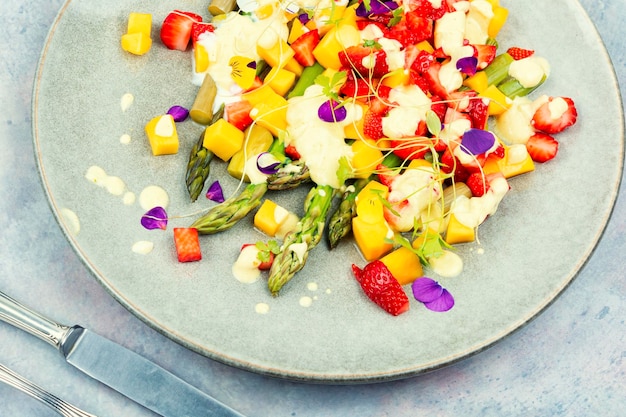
[570, 361]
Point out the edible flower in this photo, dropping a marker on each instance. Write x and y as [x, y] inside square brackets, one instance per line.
[243, 71]
[432, 294]
[375, 8]
[477, 141]
[267, 163]
[215, 193]
[332, 111]
[155, 218]
[179, 113]
[467, 65]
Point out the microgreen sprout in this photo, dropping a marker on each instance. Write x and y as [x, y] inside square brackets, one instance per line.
[266, 249]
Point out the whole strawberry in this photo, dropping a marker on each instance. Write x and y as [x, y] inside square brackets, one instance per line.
[381, 287]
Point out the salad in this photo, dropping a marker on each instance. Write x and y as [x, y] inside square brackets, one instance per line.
[405, 118]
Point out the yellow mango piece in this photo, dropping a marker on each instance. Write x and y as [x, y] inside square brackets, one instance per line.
[223, 139]
[371, 238]
[263, 94]
[354, 130]
[280, 80]
[404, 265]
[139, 23]
[500, 14]
[201, 58]
[457, 232]
[373, 190]
[297, 30]
[270, 217]
[272, 114]
[395, 78]
[334, 41]
[477, 82]
[498, 102]
[162, 135]
[510, 166]
[326, 17]
[265, 11]
[425, 46]
[366, 157]
[136, 43]
[280, 55]
[420, 164]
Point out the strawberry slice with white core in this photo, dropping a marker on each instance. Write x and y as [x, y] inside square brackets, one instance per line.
[542, 147]
[176, 29]
[556, 115]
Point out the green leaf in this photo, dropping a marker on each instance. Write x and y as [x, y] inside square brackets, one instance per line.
[433, 123]
[396, 17]
[344, 172]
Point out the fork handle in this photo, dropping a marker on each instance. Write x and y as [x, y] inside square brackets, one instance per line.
[32, 322]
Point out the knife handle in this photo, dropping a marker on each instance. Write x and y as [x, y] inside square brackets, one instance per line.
[34, 323]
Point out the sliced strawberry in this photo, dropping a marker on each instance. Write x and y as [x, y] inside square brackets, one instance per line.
[381, 287]
[411, 30]
[176, 29]
[198, 28]
[542, 147]
[187, 244]
[519, 53]
[450, 163]
[303, 47]
[418, 80]
[355, 86]
[366, 60]
[237, 114]
[478, 111]
[425, 8]
[477, 184]
[292, 152]
[373, 125]
[545, 121]
[385, 174]
[432, 76]
[414, 148]
[379, 104]
[439, 107]
[417, 59]
[484, 54]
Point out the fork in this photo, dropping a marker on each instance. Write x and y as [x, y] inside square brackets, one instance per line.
[24, 385]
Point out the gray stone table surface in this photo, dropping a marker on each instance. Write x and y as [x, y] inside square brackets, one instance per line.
[570, 361]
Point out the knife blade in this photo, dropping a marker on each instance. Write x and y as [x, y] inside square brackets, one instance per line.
[125, 371]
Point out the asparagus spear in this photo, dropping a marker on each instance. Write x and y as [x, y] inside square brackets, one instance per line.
[340, 223]
[198, 166]
[289, 177]
[297, 244]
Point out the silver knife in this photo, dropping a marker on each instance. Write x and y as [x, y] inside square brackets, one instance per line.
[121, 369]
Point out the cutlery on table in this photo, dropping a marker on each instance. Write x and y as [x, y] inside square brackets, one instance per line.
[121, 369]
[17, 381]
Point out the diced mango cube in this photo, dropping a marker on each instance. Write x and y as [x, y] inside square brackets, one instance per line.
[334, 41]
[297, 30]
[272, 115]
[395, 78]
[223, 139]
[500, 14]
[458, 232]
[477, 82]
[371, 238]
[139, 23]
[201, 58]
[280, 80]
[404, 265]
[162, 135]
[136, 43]
[498, 102]
[280, 55]
[425, 46]
[270, 217]
[374, 190]
[366, 157]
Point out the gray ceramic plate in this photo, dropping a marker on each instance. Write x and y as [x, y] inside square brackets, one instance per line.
[530, 250]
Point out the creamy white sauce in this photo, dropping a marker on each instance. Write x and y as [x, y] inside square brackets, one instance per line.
[71, 220]
[125, 139]
[448, 265]
[474, 210]
[420, 188]
[402, 120]
[246, 267]
[530, 71]
[312, 286]
[262, 308]
[98, 176]
[299, 249]
[143, 247]
[514, 125]
[306, 301]
[126, 101]
[477, 24]
[557, 107]
[449, 31]
[320, 144]
[153, 196]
